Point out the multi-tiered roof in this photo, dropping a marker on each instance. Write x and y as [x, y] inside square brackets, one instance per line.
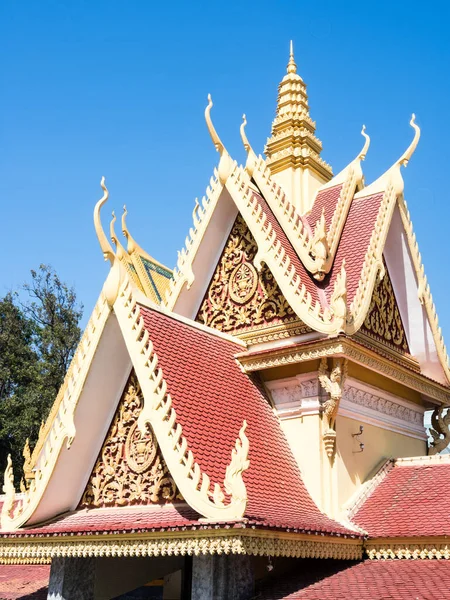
[311, 253]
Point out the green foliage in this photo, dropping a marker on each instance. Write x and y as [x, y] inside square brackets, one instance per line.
[38, 338]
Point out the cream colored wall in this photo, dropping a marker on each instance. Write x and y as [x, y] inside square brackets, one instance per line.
[332, 484]
[305, 439]
[353, 467]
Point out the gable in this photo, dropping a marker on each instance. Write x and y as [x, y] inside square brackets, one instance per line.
[240, 300]
[383, 321]
[130, 469]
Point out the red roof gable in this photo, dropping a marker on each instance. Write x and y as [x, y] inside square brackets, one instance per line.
[369, 580]
[212, 397]
[353, 245]
[411, 501]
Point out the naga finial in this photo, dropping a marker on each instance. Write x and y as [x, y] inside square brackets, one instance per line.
[120, 250]
[8, 488]
[131, 247]
[405, 157]
[363, 153]
[292, 67]
[106, 247]
[212, 130]
[243, 135]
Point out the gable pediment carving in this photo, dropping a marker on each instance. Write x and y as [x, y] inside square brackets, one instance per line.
[240, 299]
[130, 469]
[383, 321]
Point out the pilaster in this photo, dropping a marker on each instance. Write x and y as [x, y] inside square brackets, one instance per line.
[222, 577]
[72, 579]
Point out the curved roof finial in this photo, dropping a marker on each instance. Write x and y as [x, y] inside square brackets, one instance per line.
[120, 250]
[243, 135]
[363, 153]
[106, 247]
[405, 157]
[212, 130]
[131, 247]
[292, 67]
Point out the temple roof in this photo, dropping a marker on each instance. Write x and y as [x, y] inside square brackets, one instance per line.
[204, 398]
[368, 580]
[26, 582]
[408, 498]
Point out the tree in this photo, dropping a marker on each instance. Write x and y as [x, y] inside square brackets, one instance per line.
[38, 338]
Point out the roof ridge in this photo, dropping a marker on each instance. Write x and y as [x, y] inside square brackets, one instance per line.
[433, 459]
[148, 303]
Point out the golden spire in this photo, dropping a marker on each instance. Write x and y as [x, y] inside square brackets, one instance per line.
[293, 143]
[292, 67]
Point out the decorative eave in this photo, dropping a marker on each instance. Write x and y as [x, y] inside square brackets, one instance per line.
[118, 296]
[203, 540]
[158, 411]
[346, 348]
[183, 274]
[408, 548]
[59, 427]
[314, 245]
[424, 291]
[325, 319]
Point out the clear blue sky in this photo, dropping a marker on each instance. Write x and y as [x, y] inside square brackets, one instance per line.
[92, 88]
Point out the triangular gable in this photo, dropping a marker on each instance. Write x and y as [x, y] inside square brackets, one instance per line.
[130, 469]
[240, 300]
[200, 406]
[383, 321]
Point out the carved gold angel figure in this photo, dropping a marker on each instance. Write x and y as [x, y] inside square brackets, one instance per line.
[333, 384]
[440, 431]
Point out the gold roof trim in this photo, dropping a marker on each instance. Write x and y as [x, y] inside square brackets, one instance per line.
[191, 542]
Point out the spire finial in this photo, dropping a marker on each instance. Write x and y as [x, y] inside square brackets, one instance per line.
[363, 153]
[106, 247]
[292, 67]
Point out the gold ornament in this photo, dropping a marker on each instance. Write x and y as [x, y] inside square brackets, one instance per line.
[239, 299]
[383, 321]
[130, 468]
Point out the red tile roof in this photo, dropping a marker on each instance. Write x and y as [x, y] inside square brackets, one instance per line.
[325, 200]
[411, 501]
[369, 580]
[28, 582]
[115, 520]
[353, 245]
[212, 397]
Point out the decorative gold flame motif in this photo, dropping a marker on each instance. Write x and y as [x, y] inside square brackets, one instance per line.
[130, 468]
[383, 321]
[238, 297]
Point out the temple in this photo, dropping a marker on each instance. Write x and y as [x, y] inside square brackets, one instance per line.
[250, 424]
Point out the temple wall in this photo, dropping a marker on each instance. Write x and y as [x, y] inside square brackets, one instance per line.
[305, 440]
[355, 467]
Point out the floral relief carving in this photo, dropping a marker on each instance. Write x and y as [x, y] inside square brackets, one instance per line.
[383, 320]
[383, 405]
[130, 468]
[239, 298]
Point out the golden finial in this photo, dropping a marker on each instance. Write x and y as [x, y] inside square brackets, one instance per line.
[243, 135]
[106, 247]
[405, 157]
[292, 67]
[212, 131]
[120, 250]
[363, 153]
[131, 247]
